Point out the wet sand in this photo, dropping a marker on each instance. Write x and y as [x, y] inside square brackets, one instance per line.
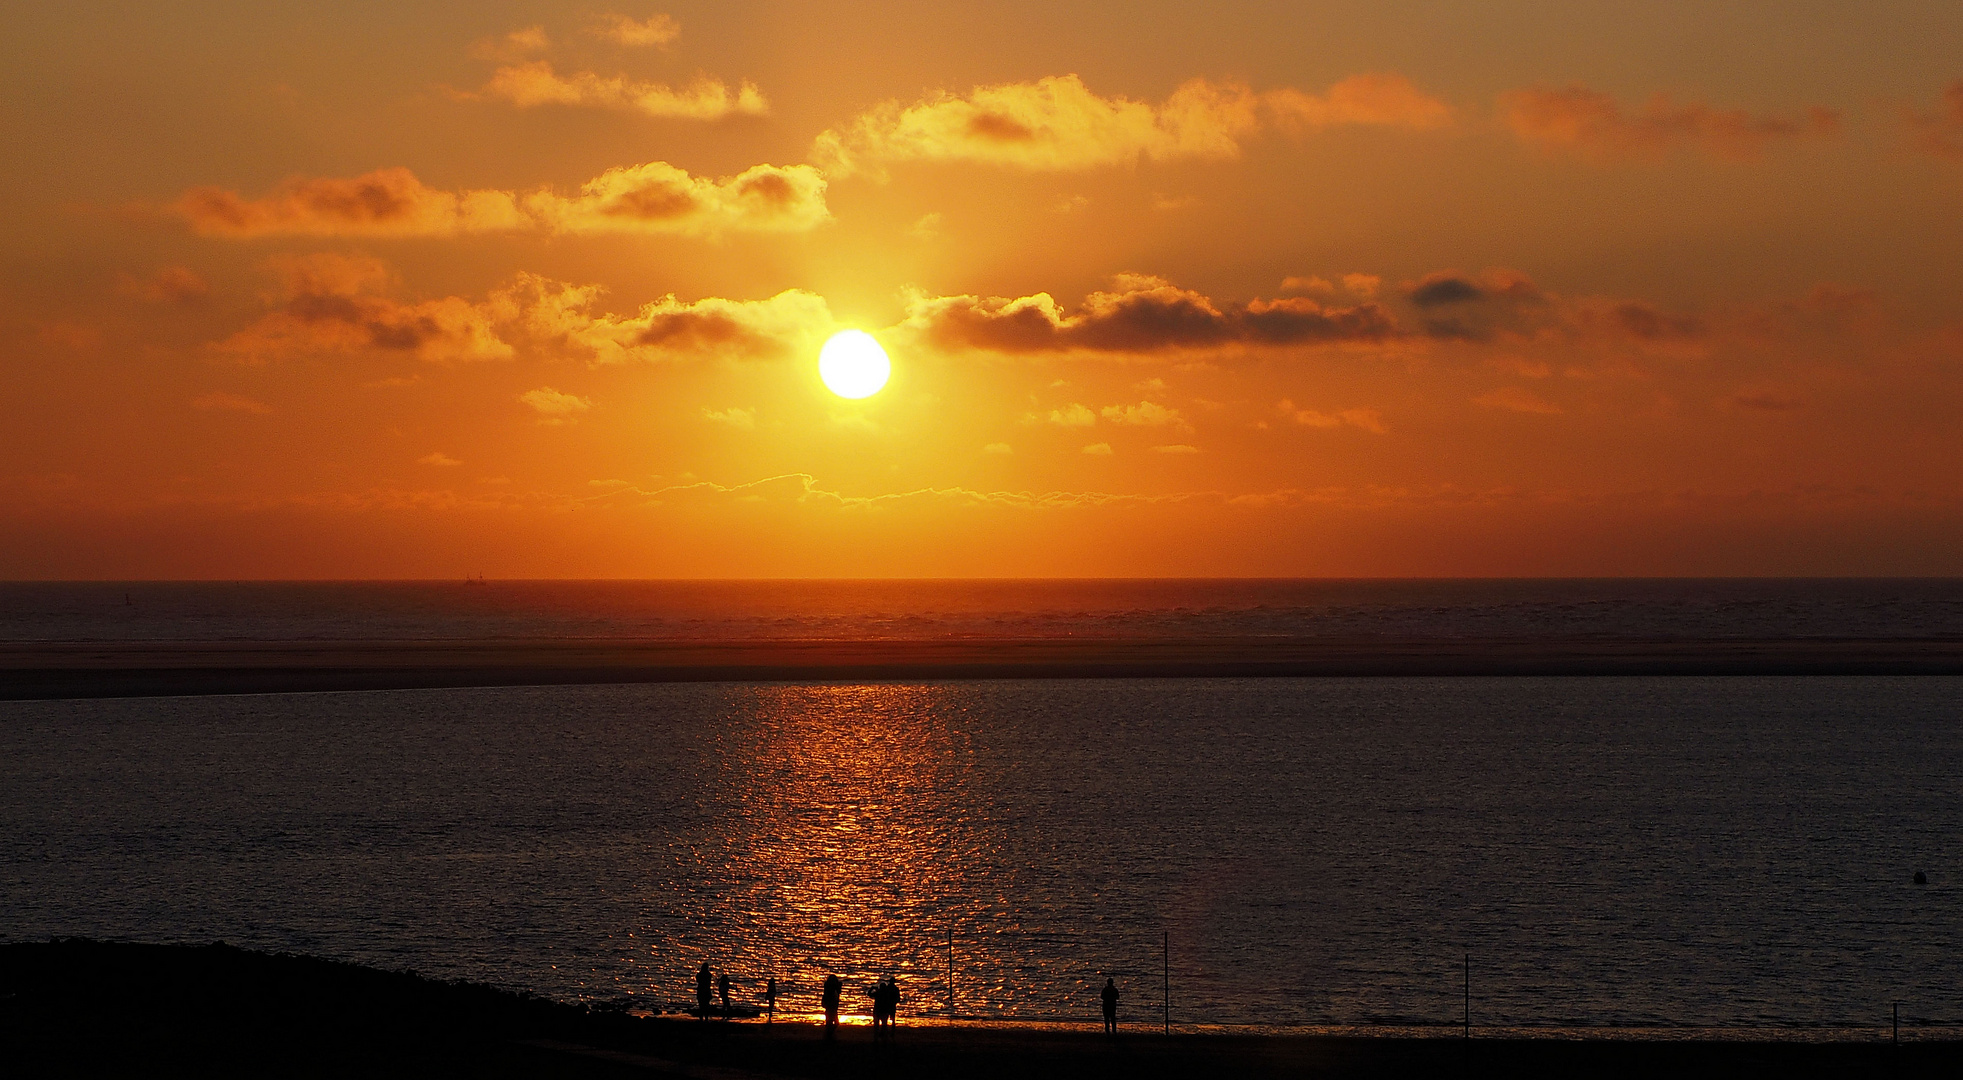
[130, 669]
[79, 1008]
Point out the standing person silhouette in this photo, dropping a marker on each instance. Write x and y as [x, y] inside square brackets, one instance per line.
[770, 1000]
[702, 992]
[722, 984]
[1110, 996]
[834, 989]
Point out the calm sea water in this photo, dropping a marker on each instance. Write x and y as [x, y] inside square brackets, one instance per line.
[874, 610]
[1633, 852]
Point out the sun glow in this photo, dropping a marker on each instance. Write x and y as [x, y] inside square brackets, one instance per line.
[853, 365]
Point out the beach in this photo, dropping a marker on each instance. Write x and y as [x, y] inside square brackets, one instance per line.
[83, 1008]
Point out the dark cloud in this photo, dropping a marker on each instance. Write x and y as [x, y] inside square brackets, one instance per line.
[1457, 307]
[1141, 315]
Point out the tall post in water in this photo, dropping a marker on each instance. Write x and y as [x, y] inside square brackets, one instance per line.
[1165, 974]
[1468, 995]
[1895, 1024]
[950, 974]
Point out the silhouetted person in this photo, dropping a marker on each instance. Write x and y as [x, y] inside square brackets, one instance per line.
[834, 989]
[770, 1000]
[1110, 996]
[885, 1004]
[702, 991]
[723, 985]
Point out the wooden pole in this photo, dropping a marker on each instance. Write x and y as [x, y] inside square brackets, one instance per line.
[1165, 970]
[1895, 1024]
[1468, 995]
[950, 974]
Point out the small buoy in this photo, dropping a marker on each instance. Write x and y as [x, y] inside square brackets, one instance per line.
[1921, 878]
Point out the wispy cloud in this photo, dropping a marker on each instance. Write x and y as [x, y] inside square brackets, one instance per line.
[535, 83]
[1057, 124]
[515, 45]
[334, 304]
[168, 285]
[1366, 419]
[653, 198]
[1941, 132]
[655, 30]
[554, 406]
[220, 401]
[740, 419]
[1588, 123]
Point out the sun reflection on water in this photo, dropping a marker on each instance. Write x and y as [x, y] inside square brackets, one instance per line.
[843, 841]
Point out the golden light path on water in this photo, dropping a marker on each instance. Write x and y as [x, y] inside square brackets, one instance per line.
[849, 845]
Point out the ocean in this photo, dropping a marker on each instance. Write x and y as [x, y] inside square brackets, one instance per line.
[1680, 853]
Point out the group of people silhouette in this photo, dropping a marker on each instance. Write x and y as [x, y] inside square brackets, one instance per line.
[885, 1000]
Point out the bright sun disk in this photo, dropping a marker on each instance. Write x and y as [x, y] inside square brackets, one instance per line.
[853, 365]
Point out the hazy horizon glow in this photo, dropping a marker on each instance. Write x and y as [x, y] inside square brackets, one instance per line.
[1248, 289]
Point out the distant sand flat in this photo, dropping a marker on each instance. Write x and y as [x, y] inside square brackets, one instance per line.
[130, 669]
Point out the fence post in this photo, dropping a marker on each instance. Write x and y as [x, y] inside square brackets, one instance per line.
[1165, 972]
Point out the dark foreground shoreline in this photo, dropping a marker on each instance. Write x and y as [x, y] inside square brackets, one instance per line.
[33, 670]
[83, 1008]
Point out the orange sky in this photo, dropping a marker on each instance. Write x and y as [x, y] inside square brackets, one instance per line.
[1291, 289]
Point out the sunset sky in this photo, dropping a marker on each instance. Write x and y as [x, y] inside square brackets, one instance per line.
[350, 290]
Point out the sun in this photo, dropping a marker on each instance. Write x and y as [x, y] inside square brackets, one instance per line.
[853, 365]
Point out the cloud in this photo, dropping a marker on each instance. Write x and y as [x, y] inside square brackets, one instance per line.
[656, 30]
[169, 285]
[516, 45]
[1366, 419]
[386, 202]
[534, 83]
[671, 327]
[1362, 286]
[928, 227]
[653, 198]
[1941, 132]
[1591, 124]
[1177, 448]
[219, 401]
[1381, 99]
[1504, 305]
[1139, 314]
[1637, 319]
[1098, 449]
[331, 304]
[660, 198]
[1073, 415]
[1516, 399]
[553, 405]
[1145, 414]
[1459, 307]
[998, 448]
[740, 419]
[438, 458]
[1056, 124]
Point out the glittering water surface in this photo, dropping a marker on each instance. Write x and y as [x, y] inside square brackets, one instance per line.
[1632, 852]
